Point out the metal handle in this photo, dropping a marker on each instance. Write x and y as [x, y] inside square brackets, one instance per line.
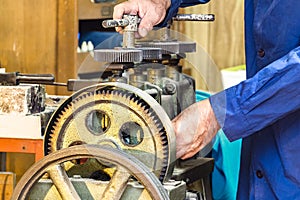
[130, 24]
[15, 78]
[35, 78]
[194, 17]
[111, 23]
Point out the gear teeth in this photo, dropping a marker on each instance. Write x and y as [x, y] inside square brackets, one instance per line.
[55, 123]
[150, 53]
[97, 92]
[152, 115]
[148, 111]
[109, 92]
[51, 135]
[156, 121]
[164, 137]
[75, 100]
[120, 93]
[146, 107]
[165, 148]
[132, 98]
[60, 115]
[140, 102]
[161, 128]
[83, 96]
[104, 91]
[64, 111]
[163, 172]
[164, 142]
[49, 148]
[118, 55]
[162, 133]
[116, 92]
[166, 165]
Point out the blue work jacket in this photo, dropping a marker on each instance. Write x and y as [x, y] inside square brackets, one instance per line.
[264, 110]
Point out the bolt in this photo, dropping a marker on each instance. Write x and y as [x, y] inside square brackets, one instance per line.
[170, 88]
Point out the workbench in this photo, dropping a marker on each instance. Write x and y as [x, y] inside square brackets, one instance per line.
[20, 145]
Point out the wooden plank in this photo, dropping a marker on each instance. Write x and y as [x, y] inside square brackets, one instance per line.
[89, 10]
[67, 30]
[221, 41]
[18, 145]
[224, 38]
[7, 184]
[28, 36]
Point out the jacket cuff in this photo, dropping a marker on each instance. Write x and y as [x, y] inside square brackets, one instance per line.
[229, 115]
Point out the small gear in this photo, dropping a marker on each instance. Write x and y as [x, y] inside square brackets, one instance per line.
[150, 53]
[123, 55]
[119, 55]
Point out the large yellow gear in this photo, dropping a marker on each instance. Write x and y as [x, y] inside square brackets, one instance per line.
[118, 115]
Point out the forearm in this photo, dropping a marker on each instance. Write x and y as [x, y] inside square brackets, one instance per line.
[254, 104]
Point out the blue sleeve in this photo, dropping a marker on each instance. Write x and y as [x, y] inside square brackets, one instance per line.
[226, 156]
[175, 4]
[186, 3]
[252, 105]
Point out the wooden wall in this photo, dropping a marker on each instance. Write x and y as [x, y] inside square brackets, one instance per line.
[39, 37]
[221, 40]
[28, 35]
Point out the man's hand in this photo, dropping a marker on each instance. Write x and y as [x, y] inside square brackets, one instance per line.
[151, 12]
[195, 127]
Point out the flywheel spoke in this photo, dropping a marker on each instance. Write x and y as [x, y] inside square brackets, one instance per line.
[117, 184]
[62, 182]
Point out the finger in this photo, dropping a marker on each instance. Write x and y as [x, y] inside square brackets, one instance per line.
[150, 19]
[124, 8]
[142, 32]
[119, 30]
[179, 154]
[137, 35]
[191, 152]
[187, 155]
[147, 23]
